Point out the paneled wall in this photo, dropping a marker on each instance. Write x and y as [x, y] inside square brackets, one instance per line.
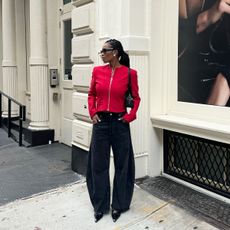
[93, 22]
[139, 126]
[21, 49]
[83, 52]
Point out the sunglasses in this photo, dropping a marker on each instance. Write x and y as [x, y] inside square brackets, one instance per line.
[105, 50]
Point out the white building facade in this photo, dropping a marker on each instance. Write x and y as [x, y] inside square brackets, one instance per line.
[40, 38]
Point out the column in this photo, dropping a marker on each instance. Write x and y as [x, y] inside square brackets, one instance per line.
[38, 65]
[9, 66]
[1, 57]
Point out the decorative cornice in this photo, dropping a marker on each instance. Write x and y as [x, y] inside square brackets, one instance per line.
[83, 30]
[9, 63]
[38, 61]
[82, 60]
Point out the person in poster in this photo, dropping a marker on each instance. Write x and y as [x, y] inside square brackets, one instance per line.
[204, 52]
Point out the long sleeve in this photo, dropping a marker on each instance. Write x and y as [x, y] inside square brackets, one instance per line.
[92, 96]
[136, 98]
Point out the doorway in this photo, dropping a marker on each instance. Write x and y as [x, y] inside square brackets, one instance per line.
[66, 79]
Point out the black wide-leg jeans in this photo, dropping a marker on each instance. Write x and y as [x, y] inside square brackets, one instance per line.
[110, 132]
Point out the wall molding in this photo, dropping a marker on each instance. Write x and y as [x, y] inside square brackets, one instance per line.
[83, 49]
[136, 43]
[83, 19]
[78, 3]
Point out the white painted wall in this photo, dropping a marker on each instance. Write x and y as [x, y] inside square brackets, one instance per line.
[27, 18]
[83, 58]
[21, 49]
[23, 54]
[118, 19]
[156, 101]
[27, 42]
[53, 40]
[108, 18]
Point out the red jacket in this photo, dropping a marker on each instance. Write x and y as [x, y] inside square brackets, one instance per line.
[107, 92]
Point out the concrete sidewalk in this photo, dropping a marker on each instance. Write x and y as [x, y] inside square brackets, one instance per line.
[69, 208]
[28, 171]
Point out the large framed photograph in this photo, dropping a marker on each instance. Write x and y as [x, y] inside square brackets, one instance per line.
[204, 52]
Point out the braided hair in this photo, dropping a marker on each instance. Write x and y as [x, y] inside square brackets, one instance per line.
[122, 55]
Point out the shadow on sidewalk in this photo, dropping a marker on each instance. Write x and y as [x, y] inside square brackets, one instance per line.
[213, 211]
[27, 171]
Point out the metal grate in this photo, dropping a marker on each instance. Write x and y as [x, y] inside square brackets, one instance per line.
[199, 161]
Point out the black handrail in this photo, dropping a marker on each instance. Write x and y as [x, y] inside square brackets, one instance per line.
[22, 115]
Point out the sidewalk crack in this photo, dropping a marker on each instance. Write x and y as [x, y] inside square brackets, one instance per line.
[137, 221]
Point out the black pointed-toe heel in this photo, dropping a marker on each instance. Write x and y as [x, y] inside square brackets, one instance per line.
[115, 214]
[98, 216]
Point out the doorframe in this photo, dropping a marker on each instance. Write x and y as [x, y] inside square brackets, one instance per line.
[65, 14]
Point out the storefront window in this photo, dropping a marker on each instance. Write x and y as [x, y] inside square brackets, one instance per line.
[204, 53]
[67, 50]
[185, 106]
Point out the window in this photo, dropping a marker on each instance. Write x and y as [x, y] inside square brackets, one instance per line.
[207, 121]
[66, 1]
[204, 54]
[67, 50]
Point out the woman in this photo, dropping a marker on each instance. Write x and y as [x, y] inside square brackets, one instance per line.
[204, 44]
[111, 129]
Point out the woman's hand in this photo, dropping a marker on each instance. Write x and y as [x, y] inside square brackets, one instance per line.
[212, 15]
[123, 120]
[96, 119]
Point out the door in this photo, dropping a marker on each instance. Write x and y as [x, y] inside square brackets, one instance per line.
[66, 77]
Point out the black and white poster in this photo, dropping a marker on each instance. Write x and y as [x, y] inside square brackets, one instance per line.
[204, 52]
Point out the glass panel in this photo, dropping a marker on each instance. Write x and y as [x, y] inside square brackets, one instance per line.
[204, 54]
[67, 50]
[66, 1]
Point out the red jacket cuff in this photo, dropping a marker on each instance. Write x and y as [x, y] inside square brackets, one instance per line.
[129, 117]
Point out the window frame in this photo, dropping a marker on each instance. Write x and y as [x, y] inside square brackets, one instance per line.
[202, 120]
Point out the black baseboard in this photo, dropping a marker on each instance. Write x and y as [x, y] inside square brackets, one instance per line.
[79, 160]
[30, 137]
[39, 137]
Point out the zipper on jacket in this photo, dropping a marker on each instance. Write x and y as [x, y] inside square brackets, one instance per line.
[110, 83]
